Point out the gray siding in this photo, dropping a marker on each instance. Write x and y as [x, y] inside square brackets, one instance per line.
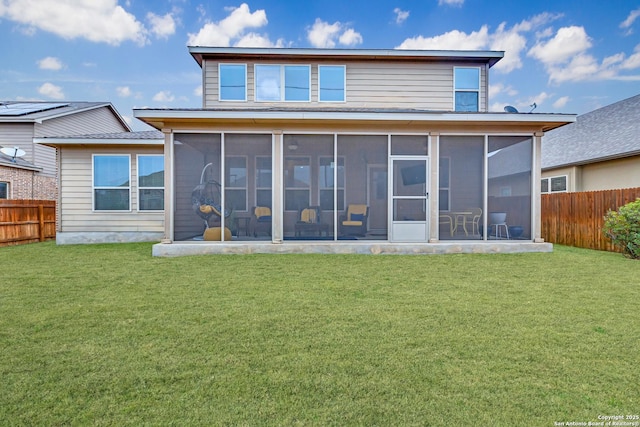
[425, 85]
[99, 120]
[18, 135]
[75, 202]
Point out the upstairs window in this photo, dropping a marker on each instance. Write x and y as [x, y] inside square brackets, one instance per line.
[283, 83]
[467, 88]
[233, 82]
[331, 83]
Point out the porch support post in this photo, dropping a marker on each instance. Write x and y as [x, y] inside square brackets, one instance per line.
[277, 207]
[537, 202]
[434, 193]
[168, 186]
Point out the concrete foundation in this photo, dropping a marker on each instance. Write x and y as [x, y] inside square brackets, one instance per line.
[368, 248]
[78, 238]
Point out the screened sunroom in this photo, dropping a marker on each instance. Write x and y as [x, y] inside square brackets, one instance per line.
[352, 186]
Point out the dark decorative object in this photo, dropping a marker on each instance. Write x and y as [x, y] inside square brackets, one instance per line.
[515, 231]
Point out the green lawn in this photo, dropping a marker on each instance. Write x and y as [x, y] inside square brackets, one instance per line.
[108, 335]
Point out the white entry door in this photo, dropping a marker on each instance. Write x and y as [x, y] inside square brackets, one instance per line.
[409, 199]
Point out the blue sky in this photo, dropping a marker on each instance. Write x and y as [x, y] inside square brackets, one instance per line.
[567, 56]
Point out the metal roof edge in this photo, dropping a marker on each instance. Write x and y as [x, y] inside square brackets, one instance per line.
[352, 115]
[492, 56]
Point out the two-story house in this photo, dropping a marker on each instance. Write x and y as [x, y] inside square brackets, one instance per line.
[368, 151]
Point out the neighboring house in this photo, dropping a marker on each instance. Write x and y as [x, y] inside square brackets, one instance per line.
[600, 151]
[111, 187]
[33, 175]
[325, 150]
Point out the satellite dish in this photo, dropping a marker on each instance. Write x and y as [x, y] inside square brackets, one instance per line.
[12, 152]
[510, 109]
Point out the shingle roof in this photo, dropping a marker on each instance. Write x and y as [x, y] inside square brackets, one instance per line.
[606, 133]
[146, 134]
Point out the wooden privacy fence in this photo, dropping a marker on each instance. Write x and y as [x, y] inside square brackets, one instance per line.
[27, 221]
[576, 219]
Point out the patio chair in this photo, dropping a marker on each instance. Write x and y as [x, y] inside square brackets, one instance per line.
[354, 222]
[474, 219]
[498, 222]
[309, 221]
[445, 219]
[261, 220]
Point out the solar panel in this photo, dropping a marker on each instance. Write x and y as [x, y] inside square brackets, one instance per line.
[24, 108]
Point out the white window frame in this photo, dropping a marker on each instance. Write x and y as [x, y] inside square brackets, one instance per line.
[227, 185]
[456, 89]
[147, 188]
[549, 188]
[282, 82]
[448, 187]
[7, 188]
[344, 84]
[94, 187]
[220, 66]
[262, 188]
[307, 188]
[336, 187]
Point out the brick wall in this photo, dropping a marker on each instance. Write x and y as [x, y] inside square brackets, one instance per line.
[26, 184]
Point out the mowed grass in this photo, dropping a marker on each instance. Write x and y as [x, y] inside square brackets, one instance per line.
[109, 335]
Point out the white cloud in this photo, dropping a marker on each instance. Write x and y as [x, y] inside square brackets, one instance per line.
[633, 61]
[452, 40]
[560, 102]
[258, 40]
[50, 63]
[401, 15]
[233, 27]
[100, 21]
[450, 2]
[163, 96]
[566, 58]
[511, 40]
[51, 91]
[499, 88]
[123, 91]
[568, 42]
[162, 26]
[198, 91]
[627, 23]
[350, 38]
[325, 35]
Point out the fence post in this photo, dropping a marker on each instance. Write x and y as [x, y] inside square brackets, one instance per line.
[41, 221]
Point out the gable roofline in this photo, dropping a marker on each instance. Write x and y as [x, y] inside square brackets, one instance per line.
[150, 137]
[71, 108]
[490, 57]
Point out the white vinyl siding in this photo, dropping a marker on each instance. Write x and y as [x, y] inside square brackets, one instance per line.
[426, 86]
[75, 202]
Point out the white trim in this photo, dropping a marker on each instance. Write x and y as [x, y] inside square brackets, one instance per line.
[549, 178]
[93, 187]
[401, 117]
[283, 82]
[246, 180]
[138, 187]
[96, 141]
[246, 78]
[456, 90]
[344, 83]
